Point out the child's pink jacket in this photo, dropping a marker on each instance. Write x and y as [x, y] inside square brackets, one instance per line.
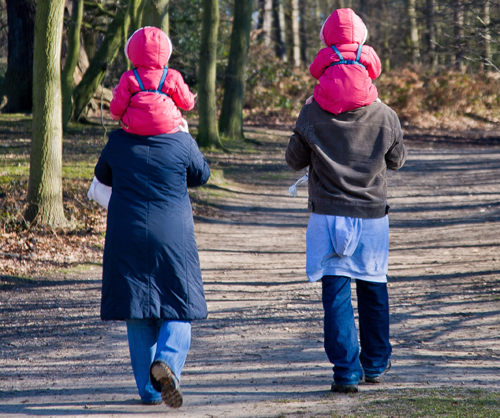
[148, 113]
[344, 87]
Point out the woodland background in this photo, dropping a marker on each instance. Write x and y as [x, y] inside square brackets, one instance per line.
[440, 58]
[440, 73]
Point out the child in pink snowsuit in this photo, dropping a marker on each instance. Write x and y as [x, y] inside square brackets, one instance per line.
[147, 98]
[345, 68]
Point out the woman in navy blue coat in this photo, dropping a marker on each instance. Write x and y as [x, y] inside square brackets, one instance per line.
[151, 270]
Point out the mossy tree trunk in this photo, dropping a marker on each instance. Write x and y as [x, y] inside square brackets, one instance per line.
[45, 203]
[74, 32]
[156, 14]
[104, 56]
[18, 82]
[208, 135]
[231, 117]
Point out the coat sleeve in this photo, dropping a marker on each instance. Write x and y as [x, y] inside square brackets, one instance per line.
[102, 169]
[321, 62]
[121, 98]
[181, 95]
[198, 171]
[372, 63]
[397, 153]
[298, 151]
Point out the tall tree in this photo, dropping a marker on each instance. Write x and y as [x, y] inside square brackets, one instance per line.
[487, 35]
[413, 46]
[279, 27]
[303, 32]
[94, 75]
[265, 20]
[136, 8]
[45, 181]
[18, 82]
[208, 135]
[458, 9]
[295, 33]
[74, 33]
[431, 34]
[231, 117]
[156, 14]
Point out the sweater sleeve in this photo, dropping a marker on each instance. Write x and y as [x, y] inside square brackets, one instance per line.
[372, 62]
[121, 98]
[180, 93]
[298, 151]
[397, 153]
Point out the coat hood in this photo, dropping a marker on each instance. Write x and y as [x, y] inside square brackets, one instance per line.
[148, 47]
[343, 26]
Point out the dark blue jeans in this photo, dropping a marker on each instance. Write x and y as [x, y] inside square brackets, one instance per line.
[341, 337]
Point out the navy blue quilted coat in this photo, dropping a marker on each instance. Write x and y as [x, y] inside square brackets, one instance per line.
[151, 265]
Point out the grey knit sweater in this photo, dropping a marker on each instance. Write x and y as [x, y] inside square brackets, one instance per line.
[348, 155]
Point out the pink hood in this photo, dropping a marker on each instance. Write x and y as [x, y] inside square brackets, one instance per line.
[148, 47]
[343, 26]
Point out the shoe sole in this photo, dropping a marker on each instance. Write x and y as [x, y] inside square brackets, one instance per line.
[171, 395]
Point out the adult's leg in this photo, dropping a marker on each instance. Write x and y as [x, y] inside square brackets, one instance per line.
[373, 309]
[173, 345]
[341, 337]
[142, 336]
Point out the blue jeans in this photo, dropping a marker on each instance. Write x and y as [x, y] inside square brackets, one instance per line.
[341, 337]
[155, 339]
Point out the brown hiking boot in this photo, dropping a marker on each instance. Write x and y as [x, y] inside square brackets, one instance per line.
[164, 380]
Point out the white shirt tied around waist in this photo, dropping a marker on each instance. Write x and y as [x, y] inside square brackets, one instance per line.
[350, 247]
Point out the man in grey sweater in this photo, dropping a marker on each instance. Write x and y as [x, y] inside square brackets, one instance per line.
[348, 231]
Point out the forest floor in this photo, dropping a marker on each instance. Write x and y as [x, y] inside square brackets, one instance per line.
[260, 353]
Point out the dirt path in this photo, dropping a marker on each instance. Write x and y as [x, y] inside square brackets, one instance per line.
[260, 353]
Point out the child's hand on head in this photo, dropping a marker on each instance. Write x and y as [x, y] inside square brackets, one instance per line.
[309, 100]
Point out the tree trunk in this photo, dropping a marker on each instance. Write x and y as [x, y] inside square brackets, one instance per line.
[98, 65]
[386, 57]
[136, 8]
[90, 42]
[18, 82]
[413, 47]
[231, 118]
[279, 44]
[459, 35]
[431, 35]
[295, 33]
[303, 33]
[45, 183]
[156, 14]
[487, 36]
[281, 20]
[68, 72]
[208, 135]
[267, 22]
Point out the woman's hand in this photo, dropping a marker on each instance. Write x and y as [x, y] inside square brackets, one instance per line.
[309, 100]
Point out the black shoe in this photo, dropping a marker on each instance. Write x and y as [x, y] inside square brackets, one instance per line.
[344, 388]
[164, 381]
[379, 378]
